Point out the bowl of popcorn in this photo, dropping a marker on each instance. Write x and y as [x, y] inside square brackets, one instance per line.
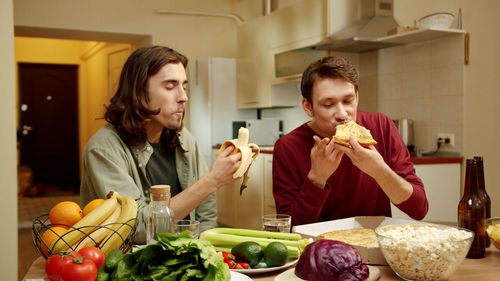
[493, 231]
[423, 252]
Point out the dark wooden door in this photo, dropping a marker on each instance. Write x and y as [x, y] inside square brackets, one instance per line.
[48, 114]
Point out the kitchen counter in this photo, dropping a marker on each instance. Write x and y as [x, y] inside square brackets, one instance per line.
[414, 160]
[435, 160]
[485, 269]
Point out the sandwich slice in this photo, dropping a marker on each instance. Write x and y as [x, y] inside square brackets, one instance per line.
[344, 131]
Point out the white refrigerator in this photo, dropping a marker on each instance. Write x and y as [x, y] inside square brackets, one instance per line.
[212, 102]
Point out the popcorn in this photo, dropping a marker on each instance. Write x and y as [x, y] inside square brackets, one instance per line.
[420, 252]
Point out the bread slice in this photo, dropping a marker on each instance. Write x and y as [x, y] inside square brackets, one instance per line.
[344, 131]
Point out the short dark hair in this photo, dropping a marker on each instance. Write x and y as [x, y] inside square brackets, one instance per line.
[328, 67]
[128, 110]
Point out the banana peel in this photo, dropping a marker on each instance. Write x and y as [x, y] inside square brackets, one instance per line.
[242, 146]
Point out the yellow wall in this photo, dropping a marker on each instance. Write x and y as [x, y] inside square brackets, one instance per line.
[8, 182]
[92, 59]
[96, 93]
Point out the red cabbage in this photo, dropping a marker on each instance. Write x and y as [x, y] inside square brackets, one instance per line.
[331, 260]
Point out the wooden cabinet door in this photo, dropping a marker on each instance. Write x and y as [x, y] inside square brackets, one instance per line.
[440, 181]
[269, 204]
[246, 210]
[250, 204]
[254, 64]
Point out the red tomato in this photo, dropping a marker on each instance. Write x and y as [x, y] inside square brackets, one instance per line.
[81, 269]
[94, 254]
[55, 263]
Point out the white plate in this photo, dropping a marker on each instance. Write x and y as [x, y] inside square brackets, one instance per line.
[236, 276]
[289, 275]
[261, 268]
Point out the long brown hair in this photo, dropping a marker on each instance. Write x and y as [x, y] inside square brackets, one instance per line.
[128, 110]
[328, 67]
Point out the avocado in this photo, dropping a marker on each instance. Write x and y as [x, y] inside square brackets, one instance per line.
[249, 252]
[275, 254]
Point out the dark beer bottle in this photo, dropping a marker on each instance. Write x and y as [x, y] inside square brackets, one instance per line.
[482, 191]
[472, 212]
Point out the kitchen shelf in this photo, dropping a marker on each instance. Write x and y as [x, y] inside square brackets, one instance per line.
[419, 35]
[360, 44]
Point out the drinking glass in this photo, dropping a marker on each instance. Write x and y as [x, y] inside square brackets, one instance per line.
[192, 225]
[277, 222]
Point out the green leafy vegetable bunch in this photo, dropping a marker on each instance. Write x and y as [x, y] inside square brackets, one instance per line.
[173, 257]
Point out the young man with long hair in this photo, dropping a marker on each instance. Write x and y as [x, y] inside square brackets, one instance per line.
[144, 143]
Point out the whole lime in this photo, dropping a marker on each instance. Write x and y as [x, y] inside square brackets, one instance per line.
[275, 254]
[249, 252]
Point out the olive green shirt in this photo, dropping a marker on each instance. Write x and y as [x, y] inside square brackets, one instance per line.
[110, 164]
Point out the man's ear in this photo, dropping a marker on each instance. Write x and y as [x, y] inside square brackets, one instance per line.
[307, 106]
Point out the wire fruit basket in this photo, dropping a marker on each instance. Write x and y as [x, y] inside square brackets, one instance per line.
[42, 224]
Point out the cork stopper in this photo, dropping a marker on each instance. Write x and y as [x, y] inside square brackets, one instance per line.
[160, 192]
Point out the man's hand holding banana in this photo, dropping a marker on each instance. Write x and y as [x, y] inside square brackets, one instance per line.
[242, 147]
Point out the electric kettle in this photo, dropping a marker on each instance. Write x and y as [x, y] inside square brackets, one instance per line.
[405, 128]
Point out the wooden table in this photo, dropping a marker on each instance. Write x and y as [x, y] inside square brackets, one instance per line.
[487, 269]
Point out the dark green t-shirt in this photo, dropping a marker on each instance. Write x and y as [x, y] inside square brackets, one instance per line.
[161, 168]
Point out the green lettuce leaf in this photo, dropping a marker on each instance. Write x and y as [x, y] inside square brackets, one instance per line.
[174, 257]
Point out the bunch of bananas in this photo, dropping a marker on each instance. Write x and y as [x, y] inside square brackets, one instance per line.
[242, 146]
[107, 226]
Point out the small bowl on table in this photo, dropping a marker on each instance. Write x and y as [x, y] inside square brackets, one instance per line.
[423, 252]
[493, 231]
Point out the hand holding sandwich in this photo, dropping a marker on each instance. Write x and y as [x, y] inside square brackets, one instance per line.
[369, 160]
[325, 159]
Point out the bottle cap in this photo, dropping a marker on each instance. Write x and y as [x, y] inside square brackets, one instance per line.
[160, 192]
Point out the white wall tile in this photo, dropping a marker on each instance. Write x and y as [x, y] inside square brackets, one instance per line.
[447, 80]
[416, 56]
[447, 51]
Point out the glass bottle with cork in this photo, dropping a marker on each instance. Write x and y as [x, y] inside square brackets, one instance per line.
[472, 211]
[160, 217]
[482, 191]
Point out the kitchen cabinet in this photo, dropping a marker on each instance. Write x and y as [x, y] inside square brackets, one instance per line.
[298, 25]
[442, 187]
[246, 210]
[255, 68]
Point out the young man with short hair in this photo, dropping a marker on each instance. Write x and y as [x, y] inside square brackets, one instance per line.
[315, 179]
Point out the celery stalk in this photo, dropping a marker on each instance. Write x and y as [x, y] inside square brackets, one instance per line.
[229, 237]
[257, 233]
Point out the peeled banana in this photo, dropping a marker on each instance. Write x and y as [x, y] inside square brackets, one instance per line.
[118, 232]
[86, 225]
[242, 146]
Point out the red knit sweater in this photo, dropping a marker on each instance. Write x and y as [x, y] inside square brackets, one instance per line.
[349, 191]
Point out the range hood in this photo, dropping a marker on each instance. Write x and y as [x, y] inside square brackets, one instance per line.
[361, 24]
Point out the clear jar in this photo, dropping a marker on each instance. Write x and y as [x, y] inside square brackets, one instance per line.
[160, 218]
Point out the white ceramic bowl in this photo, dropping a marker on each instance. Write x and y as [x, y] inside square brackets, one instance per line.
[423, 252]
[437, 20]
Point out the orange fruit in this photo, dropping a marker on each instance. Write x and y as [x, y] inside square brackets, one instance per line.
[91, 206]
[49, 236]
[66, 213]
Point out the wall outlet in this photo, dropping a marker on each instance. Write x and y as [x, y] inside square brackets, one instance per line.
[451, 138]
